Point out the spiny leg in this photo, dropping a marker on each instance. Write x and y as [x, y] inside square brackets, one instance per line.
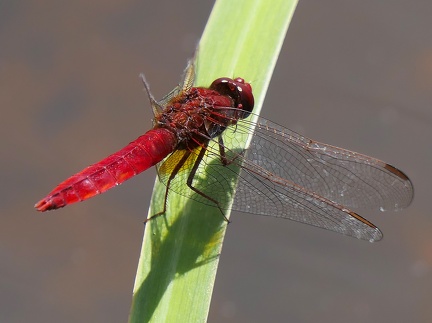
[192, 175]
[171, 177]
[225, 161]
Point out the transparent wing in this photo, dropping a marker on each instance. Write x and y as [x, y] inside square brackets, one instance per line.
[284, 174]
[340, 175]
[265, 194]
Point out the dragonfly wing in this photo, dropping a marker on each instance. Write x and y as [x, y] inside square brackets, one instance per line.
[263, 193]
[340, 175]
[260, 192]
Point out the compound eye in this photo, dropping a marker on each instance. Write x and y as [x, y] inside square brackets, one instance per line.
[246, 96]
[238, 90]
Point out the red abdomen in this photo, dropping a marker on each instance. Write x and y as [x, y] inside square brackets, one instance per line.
[142, 153]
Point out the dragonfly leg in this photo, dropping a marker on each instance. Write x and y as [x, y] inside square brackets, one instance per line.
[172, 175]
[225, 161]
[191, 177]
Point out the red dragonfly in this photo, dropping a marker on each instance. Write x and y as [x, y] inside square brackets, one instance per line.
[281, 174]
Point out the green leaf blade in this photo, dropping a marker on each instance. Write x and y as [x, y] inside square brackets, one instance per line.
[181, 249]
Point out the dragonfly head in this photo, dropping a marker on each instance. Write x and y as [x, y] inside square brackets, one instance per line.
[238, 90]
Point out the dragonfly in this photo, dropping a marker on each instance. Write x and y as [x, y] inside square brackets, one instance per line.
[193, 144]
